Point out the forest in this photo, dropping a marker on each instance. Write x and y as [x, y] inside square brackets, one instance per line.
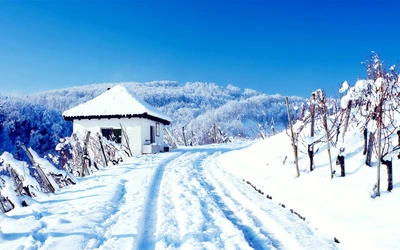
[36, 119]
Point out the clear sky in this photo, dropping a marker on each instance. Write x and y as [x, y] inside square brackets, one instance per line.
[286, 47]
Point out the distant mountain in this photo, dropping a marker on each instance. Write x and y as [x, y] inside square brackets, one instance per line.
[196, 106]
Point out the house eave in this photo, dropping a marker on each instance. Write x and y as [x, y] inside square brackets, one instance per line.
[98, 117]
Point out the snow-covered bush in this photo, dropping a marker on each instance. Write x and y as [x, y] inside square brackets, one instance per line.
[317, 127]
[376, 104]
[77, 154]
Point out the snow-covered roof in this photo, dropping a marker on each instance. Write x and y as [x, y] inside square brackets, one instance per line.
[116, 102]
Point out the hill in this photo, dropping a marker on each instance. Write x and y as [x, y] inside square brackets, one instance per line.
[195, 106]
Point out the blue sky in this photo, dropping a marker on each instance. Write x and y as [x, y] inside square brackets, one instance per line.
[286, 47]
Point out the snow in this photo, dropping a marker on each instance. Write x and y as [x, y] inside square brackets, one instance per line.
[361, 85]
[379, 83]
[345, 86]
[184, 199]
[20, 167]
[115, 101]
[198, 198]
[341, 207]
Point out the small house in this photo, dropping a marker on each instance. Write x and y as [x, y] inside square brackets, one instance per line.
[122, 116]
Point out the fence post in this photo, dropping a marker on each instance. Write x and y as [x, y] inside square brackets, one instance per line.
[293, 141]
[39, 169]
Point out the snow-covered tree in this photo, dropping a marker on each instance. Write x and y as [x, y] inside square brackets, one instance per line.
[375, 103]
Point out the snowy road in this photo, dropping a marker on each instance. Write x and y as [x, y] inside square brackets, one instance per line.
[186, 199]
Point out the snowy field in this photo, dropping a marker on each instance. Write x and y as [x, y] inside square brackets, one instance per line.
[191, 198]
[341, 207]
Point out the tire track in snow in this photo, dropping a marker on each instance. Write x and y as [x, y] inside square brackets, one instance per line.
[235, 211]
[255, 238]
[115, 213]
[204, 220]
[193, 203]
[146, 236]
[169, 207]
[283, 229]
[185, 218]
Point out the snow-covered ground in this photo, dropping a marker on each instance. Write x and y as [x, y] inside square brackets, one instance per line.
[341, 207]
[195, 198]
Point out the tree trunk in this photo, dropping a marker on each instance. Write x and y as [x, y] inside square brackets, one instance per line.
[293, 141]
[370, 148]
[327, 139]
[303, 109]
[365, 140]
[371, 140]
[311, 146]
[103, 152]
[85, 155]
[183, 135]
[311, 156]
[378, 182]
[340, 161]
[389, 167]
[340, 157]
[215, 133]
[398, 137]
[295, 115]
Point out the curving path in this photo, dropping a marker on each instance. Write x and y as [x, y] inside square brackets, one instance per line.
[185, 199]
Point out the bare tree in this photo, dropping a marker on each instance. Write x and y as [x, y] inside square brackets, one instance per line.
[385, 106]
[293, 139]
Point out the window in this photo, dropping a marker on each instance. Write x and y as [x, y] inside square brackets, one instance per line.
[158, 129]
[112, 134]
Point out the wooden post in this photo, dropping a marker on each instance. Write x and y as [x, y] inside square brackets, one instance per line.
[303, 110]
[103, 152]
[340, 161]
[85, 154]
[378, 181]
[346, 119]
[398, 137]
[311, 146]
[379, 121]
[292, 136]
[183, 135]
[389, 168]
[215, 133]
[126, 139]
[370, 148]
[3, 209]
[340, 156]
[172, 139]
[327, 140]
[261, 132]
[39, 169]
[365, 135]
[17, 182]
[191, 142]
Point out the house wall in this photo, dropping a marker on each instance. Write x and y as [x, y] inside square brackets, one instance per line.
[138, 130]
[146, 132]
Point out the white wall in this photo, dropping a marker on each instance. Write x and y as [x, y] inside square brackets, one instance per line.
[138, 130]
[146, 132]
